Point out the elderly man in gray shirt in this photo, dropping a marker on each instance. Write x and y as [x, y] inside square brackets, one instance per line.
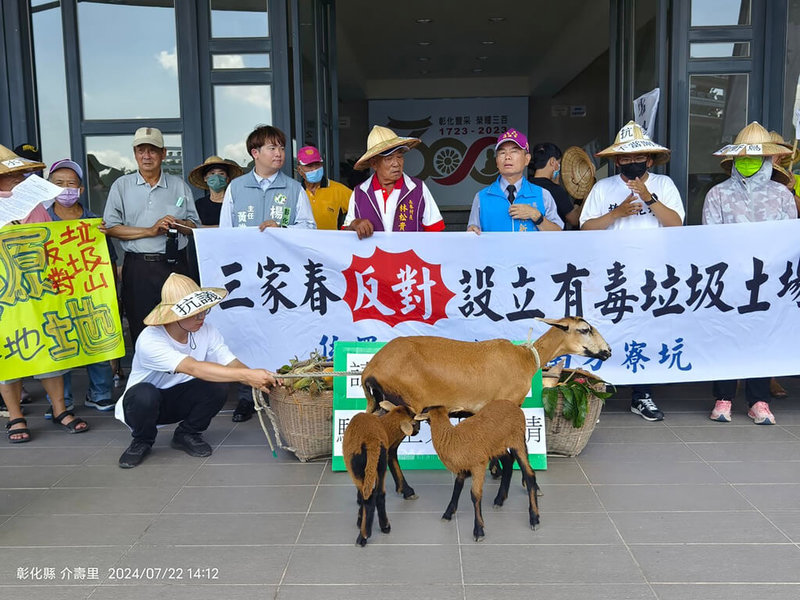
[148, 211]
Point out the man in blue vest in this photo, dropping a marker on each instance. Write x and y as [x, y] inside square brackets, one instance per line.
[512, 203]
[266, 197]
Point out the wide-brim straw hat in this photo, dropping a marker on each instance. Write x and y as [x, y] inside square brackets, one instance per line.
[753, 140]
[577, 172]
[10, 162]
[780, 172]
[788, 160]
[197, 176]
[632, 139]
[182, 298]
[380, 140]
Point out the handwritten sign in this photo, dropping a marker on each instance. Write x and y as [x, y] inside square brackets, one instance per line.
[58, 301]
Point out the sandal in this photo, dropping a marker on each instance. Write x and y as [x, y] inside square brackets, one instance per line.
[23, 431]
[72, 426]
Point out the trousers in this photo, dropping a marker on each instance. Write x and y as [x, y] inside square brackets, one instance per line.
[141, 287]
[755, 390]
[192, 404]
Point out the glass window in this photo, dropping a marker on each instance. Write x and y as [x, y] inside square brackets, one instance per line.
[240, 61]
[719, 50]
[129, 61]
[709, 13]
[791, 100]
[111, 156]
[239, 18]
[645, 77]
[238, 109]
[48, 52]
[717, 112]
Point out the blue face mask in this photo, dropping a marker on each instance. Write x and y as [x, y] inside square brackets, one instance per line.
[556, 173]
[315, 176]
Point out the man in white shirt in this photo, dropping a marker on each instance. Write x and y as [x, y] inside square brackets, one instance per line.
[180, 370]
[390, 200]
[634, 199]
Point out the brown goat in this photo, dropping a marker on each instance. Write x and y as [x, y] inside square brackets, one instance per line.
[495, 431]
[364, 447]
[422, 371]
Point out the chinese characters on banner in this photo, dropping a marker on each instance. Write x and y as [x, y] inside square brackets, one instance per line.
[416, 452]
[675, 304]
[456, 156]
[58, 301]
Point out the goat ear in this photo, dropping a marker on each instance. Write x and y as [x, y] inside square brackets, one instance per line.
[386, 405]
[421, 417]
[407, 428]
[554, 323]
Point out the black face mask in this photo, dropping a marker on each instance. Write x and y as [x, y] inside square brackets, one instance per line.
[633, 170]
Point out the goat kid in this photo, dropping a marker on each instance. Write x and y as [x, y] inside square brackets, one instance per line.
[495, 431]
[366, 442]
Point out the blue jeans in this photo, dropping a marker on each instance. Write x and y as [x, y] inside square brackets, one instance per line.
[101, 382]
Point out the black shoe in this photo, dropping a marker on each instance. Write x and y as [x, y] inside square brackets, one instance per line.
[134, 454]
[646, 408]
[244, 411]
[191, 443]
[101, 405]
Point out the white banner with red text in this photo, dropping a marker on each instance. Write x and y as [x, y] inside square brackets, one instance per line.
[675, 304]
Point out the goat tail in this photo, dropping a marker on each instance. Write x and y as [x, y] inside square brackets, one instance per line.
[373, 452]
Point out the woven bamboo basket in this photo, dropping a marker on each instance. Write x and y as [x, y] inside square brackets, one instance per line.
[302, 421]
[564, 439]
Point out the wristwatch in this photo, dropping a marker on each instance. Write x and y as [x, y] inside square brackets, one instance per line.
[653, 200]
[539, 221]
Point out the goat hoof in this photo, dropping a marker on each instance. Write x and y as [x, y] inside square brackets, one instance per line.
[361, 541]
[386, 529]
[411, 496]
[446, 517]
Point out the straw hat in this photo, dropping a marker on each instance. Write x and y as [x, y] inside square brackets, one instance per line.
[12, 163]
[182, 298]
[632, 139]
[380, 140]
[780, 172]
[577, 172]
[197, 176]
[753, 140]
[785, 161]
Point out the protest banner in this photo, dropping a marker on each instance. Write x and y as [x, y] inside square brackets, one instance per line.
[58, 301]
[675, 304]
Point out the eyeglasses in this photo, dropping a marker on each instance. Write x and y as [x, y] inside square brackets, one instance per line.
[202, 315]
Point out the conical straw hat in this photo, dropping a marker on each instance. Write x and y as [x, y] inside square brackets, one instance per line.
[577, 172]
[196, 177]
[632, 139]
[10, 162]
[182, 298]
[380, 140]
[753, 140]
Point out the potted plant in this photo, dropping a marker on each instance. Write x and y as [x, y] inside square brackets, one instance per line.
[572, 402]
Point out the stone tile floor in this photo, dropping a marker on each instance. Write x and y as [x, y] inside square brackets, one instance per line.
[681, 509]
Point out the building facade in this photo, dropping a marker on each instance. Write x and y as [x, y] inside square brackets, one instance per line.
[79, 76]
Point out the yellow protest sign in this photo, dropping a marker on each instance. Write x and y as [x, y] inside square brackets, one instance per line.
[58, 301]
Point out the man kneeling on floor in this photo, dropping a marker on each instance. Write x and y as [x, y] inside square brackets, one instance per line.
[180, 370]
